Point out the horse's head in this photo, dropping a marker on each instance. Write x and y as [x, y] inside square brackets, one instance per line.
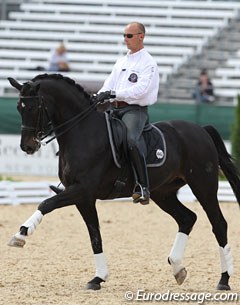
[33, 113]
[50, 100]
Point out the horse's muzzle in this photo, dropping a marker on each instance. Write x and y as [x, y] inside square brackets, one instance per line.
[30, 147]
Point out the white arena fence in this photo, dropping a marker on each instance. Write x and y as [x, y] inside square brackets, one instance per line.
[15, 193]
[14, 162]
[45, 163]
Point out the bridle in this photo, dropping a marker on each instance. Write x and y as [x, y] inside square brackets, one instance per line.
[42, 131]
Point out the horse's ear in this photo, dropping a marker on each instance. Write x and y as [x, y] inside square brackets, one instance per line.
[14, 83]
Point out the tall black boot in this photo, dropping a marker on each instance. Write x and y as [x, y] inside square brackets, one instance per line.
[141, 190]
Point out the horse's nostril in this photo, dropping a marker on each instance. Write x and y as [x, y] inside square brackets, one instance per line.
[29, 146]
[29, 150]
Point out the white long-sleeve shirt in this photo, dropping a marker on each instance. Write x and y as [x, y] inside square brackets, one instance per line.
[134, 78]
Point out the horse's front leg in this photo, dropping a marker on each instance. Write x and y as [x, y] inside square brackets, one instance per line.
[27, 228]
[88, 211]
[63, 199]
[89, 214]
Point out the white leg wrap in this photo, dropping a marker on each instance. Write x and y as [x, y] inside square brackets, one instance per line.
[177, 251]
[33, 221]
[101, 266]
[226, 259]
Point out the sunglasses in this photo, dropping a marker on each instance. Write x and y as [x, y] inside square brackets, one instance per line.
[130, 35]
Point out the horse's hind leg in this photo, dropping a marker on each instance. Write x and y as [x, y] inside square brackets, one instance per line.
[219, 228]
[185, 219]
[207, 196]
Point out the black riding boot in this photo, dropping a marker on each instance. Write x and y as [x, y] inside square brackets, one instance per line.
[141, 190]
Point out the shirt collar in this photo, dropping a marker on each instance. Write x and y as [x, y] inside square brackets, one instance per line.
[136, 54]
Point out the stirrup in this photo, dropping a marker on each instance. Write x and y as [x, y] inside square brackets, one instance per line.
[142, 196]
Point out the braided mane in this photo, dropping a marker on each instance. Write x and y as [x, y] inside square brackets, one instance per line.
[61, 77]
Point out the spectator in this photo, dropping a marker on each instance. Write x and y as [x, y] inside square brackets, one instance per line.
[204, 92]
[58, 60]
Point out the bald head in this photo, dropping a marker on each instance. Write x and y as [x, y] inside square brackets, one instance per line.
[139, 26]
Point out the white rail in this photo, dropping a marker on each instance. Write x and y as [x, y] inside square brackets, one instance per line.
[225, 193]
[15, 193]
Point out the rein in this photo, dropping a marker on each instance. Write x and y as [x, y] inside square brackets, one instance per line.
[41, 134]
[73, 122]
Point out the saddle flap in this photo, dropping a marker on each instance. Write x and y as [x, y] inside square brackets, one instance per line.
[152, 142]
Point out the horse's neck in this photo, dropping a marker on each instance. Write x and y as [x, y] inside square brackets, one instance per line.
[85, 148]
[64, 107]
[88, 133]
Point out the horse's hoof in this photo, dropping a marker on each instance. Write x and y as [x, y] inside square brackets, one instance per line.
[16, 242]
[94, 284]
[223, 287]
[180, 276]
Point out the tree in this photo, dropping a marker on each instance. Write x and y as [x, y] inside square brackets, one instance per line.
[235, 135]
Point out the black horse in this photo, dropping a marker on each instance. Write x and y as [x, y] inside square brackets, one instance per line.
[88, 171]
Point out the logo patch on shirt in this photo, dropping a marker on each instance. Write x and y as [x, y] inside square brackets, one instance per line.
[133, 78]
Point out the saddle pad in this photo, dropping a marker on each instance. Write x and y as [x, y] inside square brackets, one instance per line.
[155, 145]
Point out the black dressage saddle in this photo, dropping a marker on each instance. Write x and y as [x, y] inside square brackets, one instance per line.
[152, 142]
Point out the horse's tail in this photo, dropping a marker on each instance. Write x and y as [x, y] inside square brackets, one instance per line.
[225, 161]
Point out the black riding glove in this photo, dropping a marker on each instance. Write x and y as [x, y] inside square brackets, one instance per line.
[107, 95]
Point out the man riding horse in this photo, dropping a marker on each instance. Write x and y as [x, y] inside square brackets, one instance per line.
[133, 85]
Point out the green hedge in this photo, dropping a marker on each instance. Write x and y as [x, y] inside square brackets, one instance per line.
[10, 122]
[220, 117]
[235, 136]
